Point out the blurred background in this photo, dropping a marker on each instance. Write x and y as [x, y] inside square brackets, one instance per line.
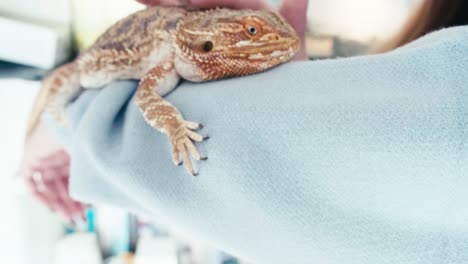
[37, 35]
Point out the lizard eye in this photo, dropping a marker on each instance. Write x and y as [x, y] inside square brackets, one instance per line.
[252, 30]
[207, 46]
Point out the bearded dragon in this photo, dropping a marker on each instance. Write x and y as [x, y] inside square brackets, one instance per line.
[161, 45]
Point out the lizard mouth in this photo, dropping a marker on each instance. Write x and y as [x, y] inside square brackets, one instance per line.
[277, 48]
[285, 44]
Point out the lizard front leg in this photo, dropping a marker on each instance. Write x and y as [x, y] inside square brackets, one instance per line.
[163, 116]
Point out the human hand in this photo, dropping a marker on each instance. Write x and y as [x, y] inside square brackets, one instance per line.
[294, 11]
[45, 169]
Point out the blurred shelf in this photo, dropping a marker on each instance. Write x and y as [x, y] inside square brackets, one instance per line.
[18, 71]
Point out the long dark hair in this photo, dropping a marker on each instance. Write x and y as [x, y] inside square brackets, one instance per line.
[430, 15]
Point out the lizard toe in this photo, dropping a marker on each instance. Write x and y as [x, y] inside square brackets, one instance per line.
[193, 125]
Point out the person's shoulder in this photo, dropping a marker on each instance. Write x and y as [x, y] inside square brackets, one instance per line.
[450, 39]
[457, 34]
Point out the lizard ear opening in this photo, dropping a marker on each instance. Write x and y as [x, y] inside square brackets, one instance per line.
[207, 46]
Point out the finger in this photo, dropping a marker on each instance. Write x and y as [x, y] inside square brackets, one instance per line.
[164, 2]
[43, 193]
[33, 179]
[47, 191]
[77, 209]
[41, 184]
[39, 194]
[48, 175]
[81, 210]
[64, 171]
[236, 4]
[192, 149]
[64, 199]
[55, 160]
[295, 12]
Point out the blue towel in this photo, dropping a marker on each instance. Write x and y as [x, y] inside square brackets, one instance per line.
[359, 160]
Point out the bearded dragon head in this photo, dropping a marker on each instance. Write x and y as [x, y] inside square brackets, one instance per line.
[223, 43]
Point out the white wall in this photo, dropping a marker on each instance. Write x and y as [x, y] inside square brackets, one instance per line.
[54, 11]
[28, 231]
[362, 20]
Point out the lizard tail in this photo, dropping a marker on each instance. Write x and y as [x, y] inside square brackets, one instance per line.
[56, 90]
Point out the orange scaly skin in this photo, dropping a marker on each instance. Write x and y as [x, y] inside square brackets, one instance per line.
[160, 46]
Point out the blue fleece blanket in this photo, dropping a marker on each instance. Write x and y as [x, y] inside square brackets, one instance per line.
[360, 160]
